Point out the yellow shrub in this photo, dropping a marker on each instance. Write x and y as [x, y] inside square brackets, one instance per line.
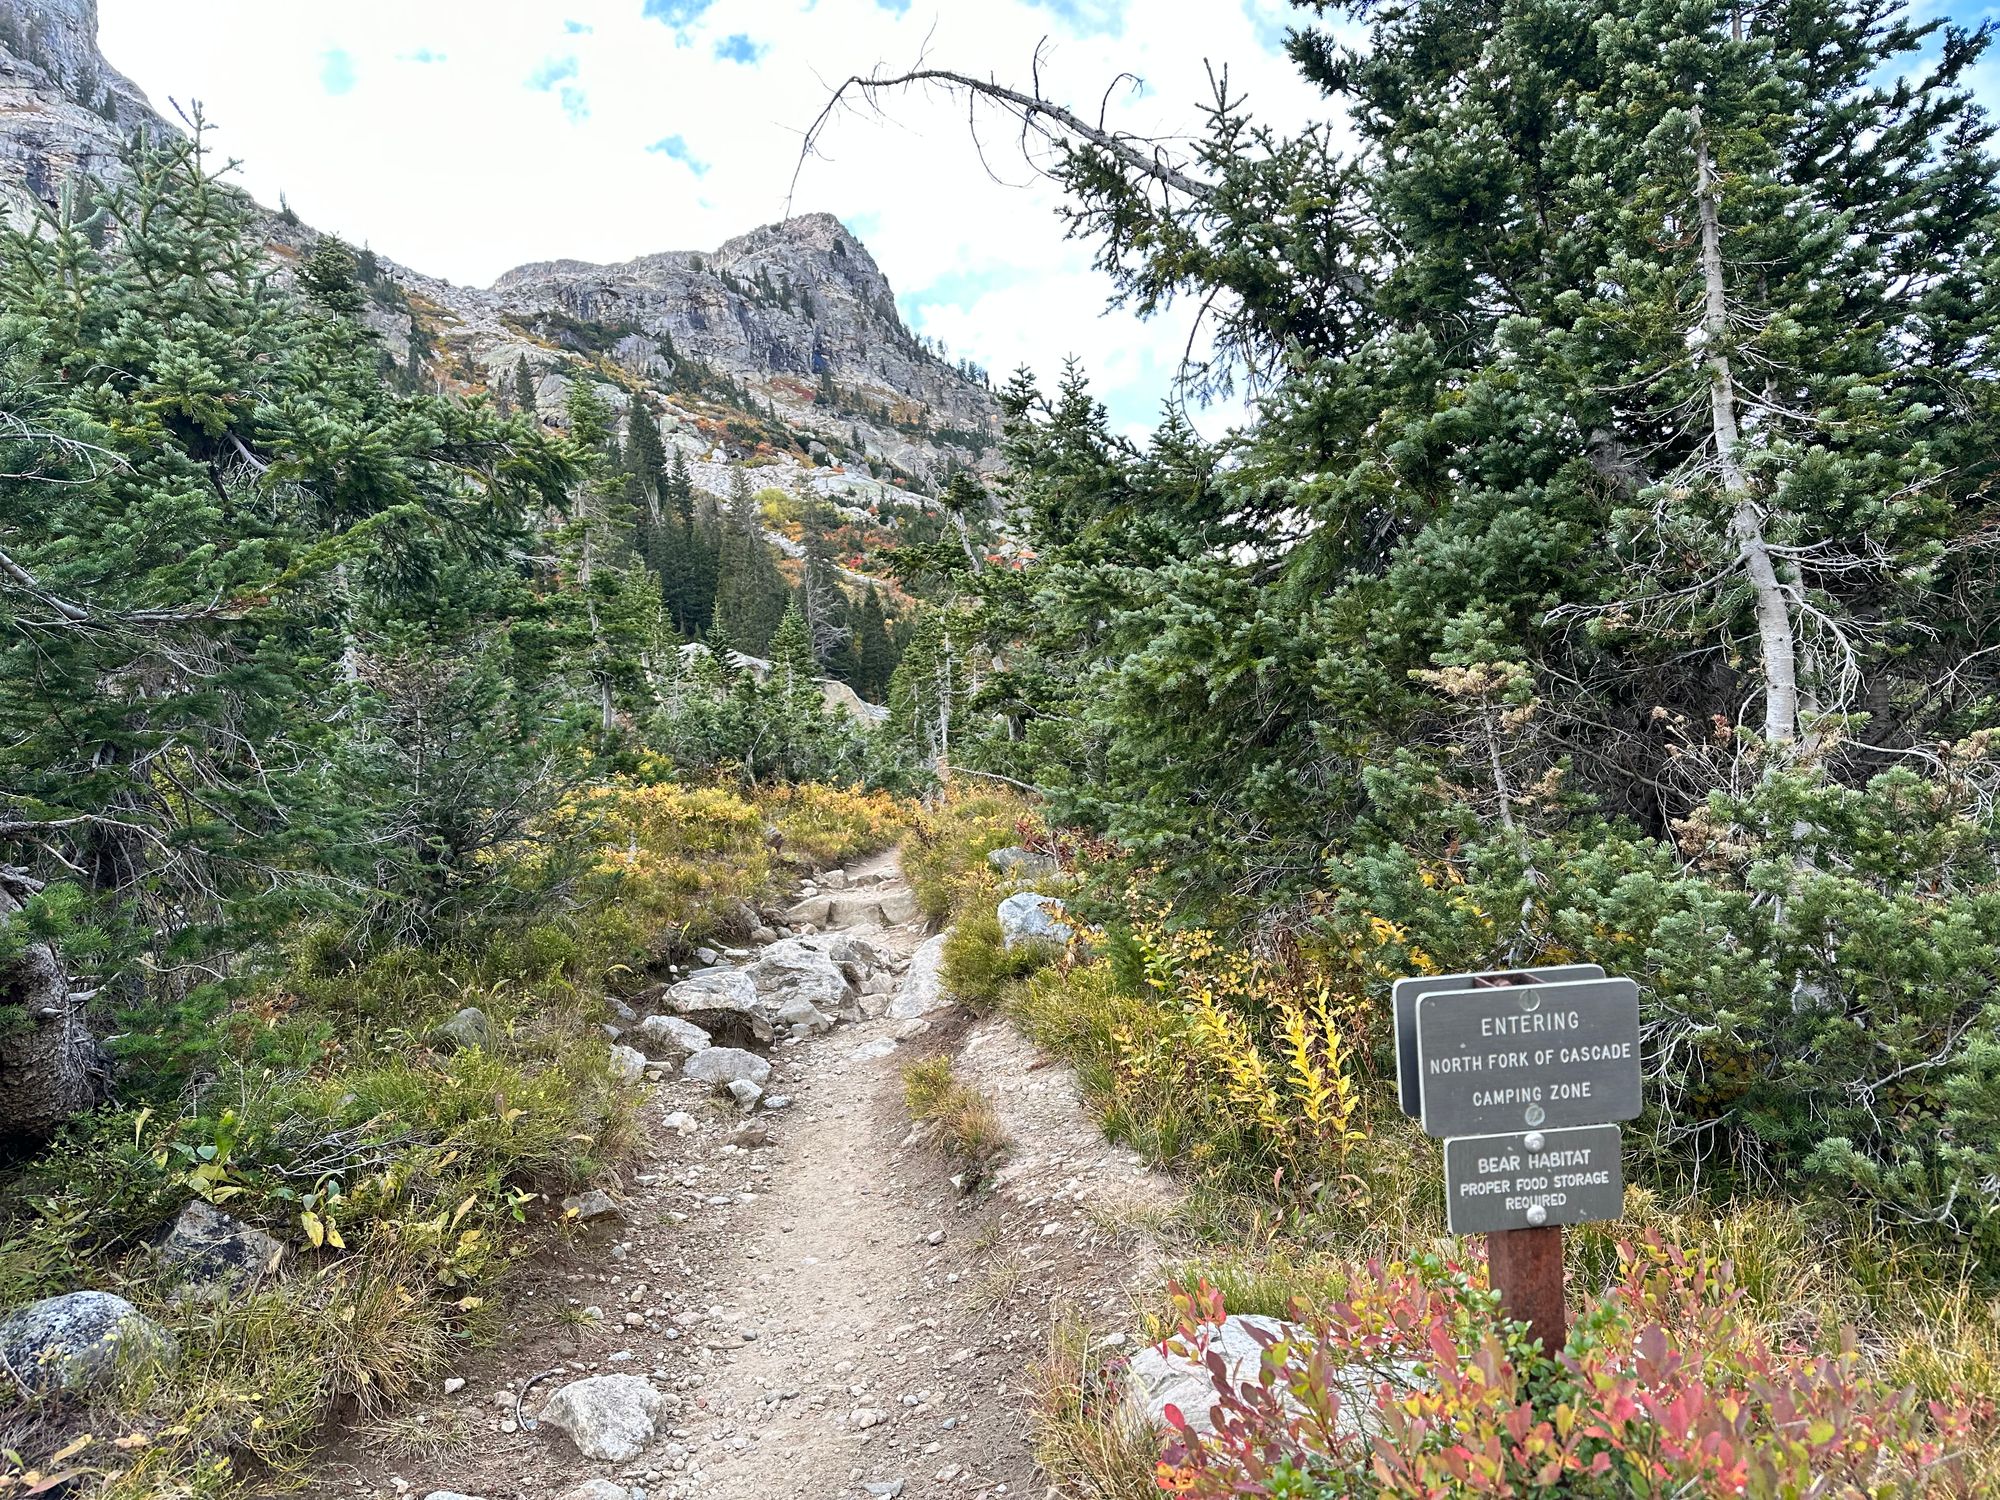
[676, 860]
[945, 858]
[829, 825]
[1256, 1056]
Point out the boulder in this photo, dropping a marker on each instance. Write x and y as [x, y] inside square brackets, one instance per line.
[82, 1343]
[1023, 864]
[216, 1256]
[802, 1019]
[795, 971]
[1157, 1378]
[628, 1065]
[1028, 918]
[668, 1037]
[611, 1418]
[898, 908]
[722, 1066]
[467, 1031]
[724, 1003]
[922, 989]
[834, 880]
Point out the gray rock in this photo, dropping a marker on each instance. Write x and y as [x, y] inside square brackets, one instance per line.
[467, 1031]
[834, 880]
[681, 1123]
[884, 1489]
[612, 1418]
[922, 989]
[799, 971]
[1155, 1380]
[1028, 918]
[803, 1019]
[745, 1093]
[725, 1065]
[592, 1205]
[777, 1101]
[596, 1489]
[725, 1004]
[621, 1010]
[217, 1256]
[628, 1065]
[82, 1343]
[455, 1495]
[1023, 864]
[707, 957]
[668, 1037]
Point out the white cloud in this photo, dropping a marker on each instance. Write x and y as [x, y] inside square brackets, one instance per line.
[462, 142]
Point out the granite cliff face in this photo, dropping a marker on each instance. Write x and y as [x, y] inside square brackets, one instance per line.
[63, 109]
[784, 344]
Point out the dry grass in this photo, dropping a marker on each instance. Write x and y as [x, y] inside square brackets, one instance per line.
[1084, 1441]
[969, 1128]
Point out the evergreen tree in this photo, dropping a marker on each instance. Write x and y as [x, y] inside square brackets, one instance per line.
[876, 654]
[524, 389]
[331, 278]
[750, 596]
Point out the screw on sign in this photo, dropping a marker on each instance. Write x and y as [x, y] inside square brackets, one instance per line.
[1525, 1074]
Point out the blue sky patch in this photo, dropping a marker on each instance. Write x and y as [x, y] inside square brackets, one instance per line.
[679, 14]
[553, 71]
[423, 55]
[740, 49]
[578, 28]
[676, 148]
[1087, 17]
[894, 7]
[336, 71]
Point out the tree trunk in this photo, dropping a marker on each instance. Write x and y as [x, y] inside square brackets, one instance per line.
[50, 1066]
[1777, 644]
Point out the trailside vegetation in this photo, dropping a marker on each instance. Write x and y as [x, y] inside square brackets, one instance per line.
[353, 764]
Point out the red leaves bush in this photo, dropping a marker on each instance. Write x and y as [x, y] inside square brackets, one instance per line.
[1412, 1385]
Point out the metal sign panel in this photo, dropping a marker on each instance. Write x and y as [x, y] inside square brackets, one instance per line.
[1529, 1179]
[1529, 1057]
[1406, 992]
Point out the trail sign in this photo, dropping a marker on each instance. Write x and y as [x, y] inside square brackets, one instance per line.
[1534, 1178]
[1406, 992]
[1532, 1056]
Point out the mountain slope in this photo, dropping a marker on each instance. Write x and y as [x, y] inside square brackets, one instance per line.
[784, 346]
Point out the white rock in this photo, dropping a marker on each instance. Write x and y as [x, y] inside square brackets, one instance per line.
[596, 1489]
[922, 989]
[725, 1065]
[1155, 1380]
[609, 1417]
[865, 1417]
[745, 1093]
[1028, 918]
[669, 1036]
[627, 1065]
[681, 1122]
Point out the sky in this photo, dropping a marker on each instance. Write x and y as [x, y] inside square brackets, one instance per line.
[464, 137]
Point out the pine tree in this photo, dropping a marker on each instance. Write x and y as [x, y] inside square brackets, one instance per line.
[876, 654]
[525, 401]
[750, 596]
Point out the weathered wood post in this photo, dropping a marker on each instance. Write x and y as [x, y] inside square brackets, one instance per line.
[1525, 1074]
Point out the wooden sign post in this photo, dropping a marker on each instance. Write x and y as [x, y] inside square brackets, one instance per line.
[1524, 1074]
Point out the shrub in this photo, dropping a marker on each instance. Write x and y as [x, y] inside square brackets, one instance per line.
[945, 857]
[1256, 1056]
[979, 971]
[829, 825]
[969, 1128]
[666, 865]
[1666, 1388]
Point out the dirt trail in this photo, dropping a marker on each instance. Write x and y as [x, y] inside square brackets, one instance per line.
[827, 1313]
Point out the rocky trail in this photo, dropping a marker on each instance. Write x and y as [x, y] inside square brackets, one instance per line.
[793, 1298]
